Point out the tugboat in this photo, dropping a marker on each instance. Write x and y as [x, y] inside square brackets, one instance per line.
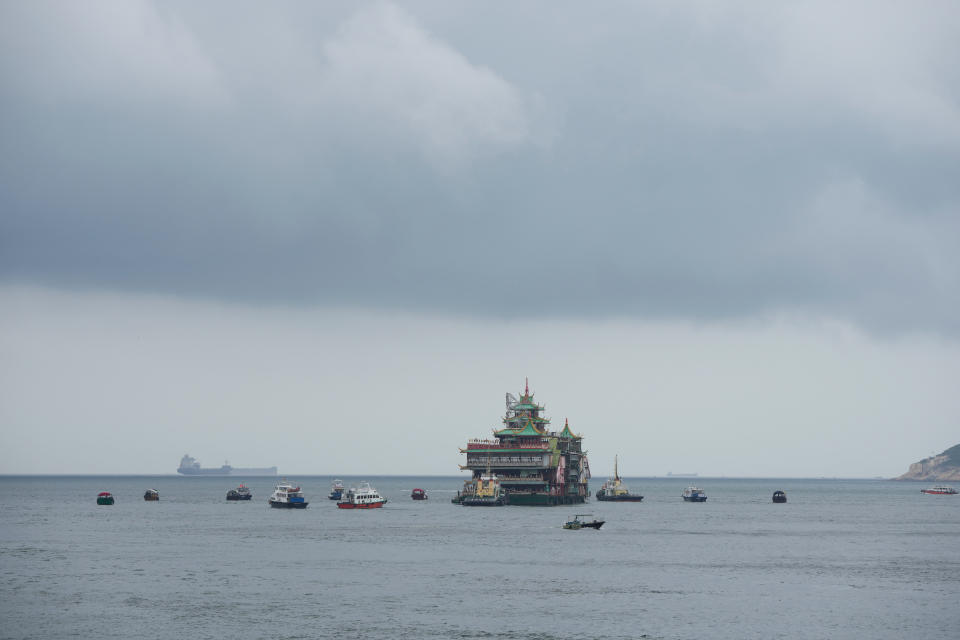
[779, 496]
[362, 497]
[485, 491]
[151, 495]
[418, 494]
[577, 523]
[615, 490]
[940, 490]
[336, 490]
[694, 494]
[104, 497]
[287, 496]
[536, 465]
[240, 493]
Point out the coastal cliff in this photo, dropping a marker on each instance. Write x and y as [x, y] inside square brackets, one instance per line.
[941, 468]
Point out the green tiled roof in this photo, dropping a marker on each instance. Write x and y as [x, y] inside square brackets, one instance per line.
[566, 433]
[528, 430]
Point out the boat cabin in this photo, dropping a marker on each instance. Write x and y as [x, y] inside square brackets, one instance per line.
[364, 494]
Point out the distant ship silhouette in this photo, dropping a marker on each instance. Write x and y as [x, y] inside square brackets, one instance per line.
[190, 466]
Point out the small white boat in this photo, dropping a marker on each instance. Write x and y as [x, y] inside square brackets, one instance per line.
[694, 494]
[361, 497]
[287, 496]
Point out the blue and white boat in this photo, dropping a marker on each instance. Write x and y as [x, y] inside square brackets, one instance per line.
[287, 496]
[694, 494]
[336, 490]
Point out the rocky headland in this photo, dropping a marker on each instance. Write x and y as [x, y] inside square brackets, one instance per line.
[940, 468]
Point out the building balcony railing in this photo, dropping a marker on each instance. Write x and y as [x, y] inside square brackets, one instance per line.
[480, 462]
[496, 444]
[521, 480]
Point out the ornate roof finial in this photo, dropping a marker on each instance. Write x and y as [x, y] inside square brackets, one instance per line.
[527, 387]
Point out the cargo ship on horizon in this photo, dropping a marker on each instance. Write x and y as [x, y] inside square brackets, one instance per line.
[190, 466]
[531, 464]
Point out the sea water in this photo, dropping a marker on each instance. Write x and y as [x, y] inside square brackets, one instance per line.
[842, 559]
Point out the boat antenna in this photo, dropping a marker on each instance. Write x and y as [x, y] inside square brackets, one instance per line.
[616, 475]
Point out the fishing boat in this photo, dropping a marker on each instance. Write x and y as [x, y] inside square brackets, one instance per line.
[779, 496]
[939, 490]
[577, 523]
[694, 494]
[240, 493]
[361, 497]
[336, 490]
[104, 497]
[418, 494]
[151, 495]
[614, 490]
[287, 496]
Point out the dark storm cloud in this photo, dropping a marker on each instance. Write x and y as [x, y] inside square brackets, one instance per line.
[660, 161]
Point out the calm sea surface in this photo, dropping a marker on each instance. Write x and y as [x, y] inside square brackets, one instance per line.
[842, 559]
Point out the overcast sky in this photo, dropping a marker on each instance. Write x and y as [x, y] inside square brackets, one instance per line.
[720, 238]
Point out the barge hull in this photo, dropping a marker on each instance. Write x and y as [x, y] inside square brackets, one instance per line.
[543, 500]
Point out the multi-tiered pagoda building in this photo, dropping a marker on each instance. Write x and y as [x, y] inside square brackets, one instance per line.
[532, 464]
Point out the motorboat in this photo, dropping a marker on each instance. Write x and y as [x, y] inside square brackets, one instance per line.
[418, 494]
[694, 494]
[287, 496]
[779, 496]
[105, 497]
[577, 523]
[939, 490]
[151, 495]
[336, 490]
[240, 493]
[361, 497]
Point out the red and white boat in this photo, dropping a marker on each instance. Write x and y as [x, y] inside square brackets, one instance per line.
[362, 497]
[940, 490]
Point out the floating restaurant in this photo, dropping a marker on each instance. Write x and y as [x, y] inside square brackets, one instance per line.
[532, 464]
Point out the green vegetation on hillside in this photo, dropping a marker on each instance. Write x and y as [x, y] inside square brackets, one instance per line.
[953, 453]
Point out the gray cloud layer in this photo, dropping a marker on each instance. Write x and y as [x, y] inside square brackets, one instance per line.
[653, 160]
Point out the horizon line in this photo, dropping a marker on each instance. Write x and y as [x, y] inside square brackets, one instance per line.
[432, 475]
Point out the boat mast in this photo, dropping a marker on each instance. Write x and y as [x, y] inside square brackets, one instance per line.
[616, 474]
